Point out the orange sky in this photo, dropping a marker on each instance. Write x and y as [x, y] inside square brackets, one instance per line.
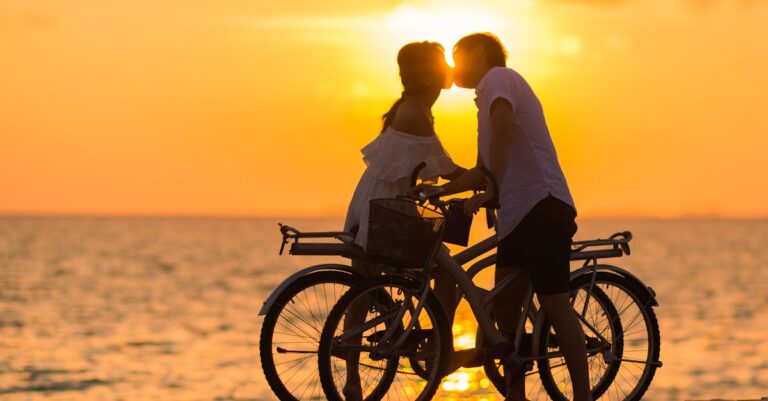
[248, 107]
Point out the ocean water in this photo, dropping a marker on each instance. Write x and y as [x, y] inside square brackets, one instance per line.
[111, 308]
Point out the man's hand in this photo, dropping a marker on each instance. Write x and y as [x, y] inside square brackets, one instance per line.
[473, 204]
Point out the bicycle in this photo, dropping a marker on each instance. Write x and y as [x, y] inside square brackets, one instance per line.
[404, 340]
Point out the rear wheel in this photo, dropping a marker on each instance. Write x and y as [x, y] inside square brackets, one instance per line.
[604, 342]
[599, 313]
[631, 362]
[291, 331]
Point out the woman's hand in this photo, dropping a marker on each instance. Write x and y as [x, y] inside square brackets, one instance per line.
[473, 204]
[421, 188]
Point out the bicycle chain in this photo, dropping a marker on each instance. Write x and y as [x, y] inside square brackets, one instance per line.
[379, 368]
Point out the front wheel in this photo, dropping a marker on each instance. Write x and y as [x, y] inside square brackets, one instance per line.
[358, 358]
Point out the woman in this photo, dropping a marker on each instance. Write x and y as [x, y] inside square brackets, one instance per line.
[407, 138]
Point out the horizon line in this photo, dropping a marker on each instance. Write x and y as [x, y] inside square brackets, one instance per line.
[649, 216]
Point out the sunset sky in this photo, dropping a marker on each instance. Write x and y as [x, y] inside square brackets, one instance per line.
[235, 107]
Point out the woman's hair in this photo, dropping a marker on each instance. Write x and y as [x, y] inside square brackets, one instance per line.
[417, 61]
[495, 54]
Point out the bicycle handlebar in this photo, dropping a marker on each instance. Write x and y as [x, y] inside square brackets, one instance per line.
[415, 173]
[433, 196]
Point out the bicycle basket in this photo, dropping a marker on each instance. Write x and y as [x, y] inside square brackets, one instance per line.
[402, 233]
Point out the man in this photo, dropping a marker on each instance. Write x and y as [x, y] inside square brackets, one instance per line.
[536, 211]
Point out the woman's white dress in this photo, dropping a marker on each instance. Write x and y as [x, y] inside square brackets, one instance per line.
[391, 158]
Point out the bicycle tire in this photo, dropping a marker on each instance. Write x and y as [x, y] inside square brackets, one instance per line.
[545, 373]
[496, 377]
[652, 330]
[266, 349]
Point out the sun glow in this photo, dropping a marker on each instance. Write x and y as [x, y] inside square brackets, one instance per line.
[444, 25]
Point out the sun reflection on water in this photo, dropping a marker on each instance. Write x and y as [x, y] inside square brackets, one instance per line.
[470, 384]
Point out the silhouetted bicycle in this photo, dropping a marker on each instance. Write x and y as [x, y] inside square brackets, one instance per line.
[401, 346]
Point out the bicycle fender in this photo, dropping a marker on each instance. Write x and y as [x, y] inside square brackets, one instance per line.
[299, 274]
[646, 292]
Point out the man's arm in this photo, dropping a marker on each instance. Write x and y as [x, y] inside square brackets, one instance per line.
[502, 119]
[471, 179]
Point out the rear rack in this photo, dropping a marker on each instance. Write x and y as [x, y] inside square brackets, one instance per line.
[614, 246]
[345, 248]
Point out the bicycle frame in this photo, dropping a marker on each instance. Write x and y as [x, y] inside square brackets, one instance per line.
[474, 295]
[480, 300]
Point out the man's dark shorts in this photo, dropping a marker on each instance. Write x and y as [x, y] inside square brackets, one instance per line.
[541, 243]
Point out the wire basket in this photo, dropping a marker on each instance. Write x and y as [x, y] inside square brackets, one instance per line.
[402, 233]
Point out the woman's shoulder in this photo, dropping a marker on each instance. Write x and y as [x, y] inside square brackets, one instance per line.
[412, 120]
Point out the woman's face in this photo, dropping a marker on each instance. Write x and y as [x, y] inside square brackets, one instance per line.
[447, 75]
[439, 74]
[429, 71]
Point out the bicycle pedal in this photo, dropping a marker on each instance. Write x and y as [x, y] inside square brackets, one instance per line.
[500, 350]
[528, 366]
[416, 336]
[526, 345]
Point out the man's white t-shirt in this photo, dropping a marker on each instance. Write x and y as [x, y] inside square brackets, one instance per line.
[533, 171]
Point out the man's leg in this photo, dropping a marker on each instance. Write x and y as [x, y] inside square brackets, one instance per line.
[507, 310]
[570, 336]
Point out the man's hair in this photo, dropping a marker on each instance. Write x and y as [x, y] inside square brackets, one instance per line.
[495, 54]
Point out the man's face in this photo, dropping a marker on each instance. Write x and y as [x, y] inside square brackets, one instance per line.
[465, 68]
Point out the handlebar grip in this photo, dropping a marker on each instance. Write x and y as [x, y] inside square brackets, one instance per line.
[494, 186]
[423, 196]
[415, 173]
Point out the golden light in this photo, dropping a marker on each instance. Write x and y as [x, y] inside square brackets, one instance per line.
[447, 22]
[458, 381]
[464, 341]
[441, 24]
